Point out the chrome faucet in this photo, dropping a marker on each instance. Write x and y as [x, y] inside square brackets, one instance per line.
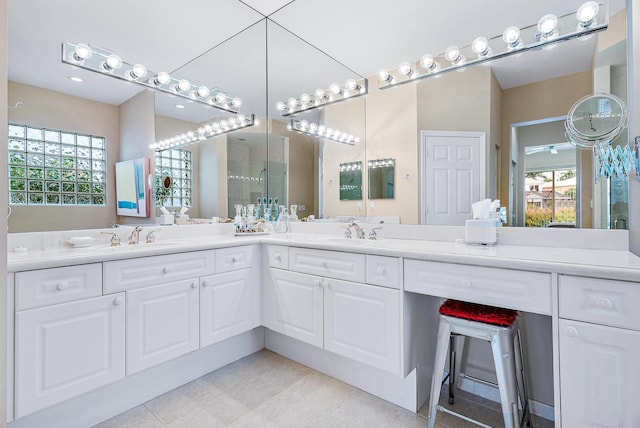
[134, 238]
[359, 230]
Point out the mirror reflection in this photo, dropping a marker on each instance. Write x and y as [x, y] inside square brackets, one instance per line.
[268, 160]
[381, 178]
[351, 181]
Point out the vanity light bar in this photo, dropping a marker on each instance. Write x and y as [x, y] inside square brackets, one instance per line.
[203, 132]
[315, 130]
[108, 63]
[590, 18]
[351, 166]
[381, 163]
[352, 88]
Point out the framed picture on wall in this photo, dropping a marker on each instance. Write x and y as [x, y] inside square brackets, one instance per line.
[132, 190]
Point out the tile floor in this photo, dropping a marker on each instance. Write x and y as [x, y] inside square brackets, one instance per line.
[267, 390]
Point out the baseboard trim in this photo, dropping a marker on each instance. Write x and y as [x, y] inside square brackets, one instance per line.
[491, 393]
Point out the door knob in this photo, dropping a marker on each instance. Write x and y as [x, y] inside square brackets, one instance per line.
[118, 300]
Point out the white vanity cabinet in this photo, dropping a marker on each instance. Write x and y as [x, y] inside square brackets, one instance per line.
[349, 318]
[599, 337]
[162, 323]
[67, 349]
[230, 301]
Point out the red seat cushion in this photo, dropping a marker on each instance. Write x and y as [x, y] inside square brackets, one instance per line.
[481, 313]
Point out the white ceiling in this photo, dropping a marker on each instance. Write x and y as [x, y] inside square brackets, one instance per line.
[308, 43]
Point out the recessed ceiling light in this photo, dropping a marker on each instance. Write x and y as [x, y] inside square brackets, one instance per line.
[76, 79]
[179, 106]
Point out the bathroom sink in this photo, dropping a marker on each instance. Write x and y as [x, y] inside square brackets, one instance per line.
[126, 247]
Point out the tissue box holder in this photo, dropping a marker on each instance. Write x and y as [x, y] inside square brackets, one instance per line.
[482, 232]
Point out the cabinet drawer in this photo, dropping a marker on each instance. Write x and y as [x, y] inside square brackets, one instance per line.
[122, 275]
[600, 301]
[383, 271]
[233, 258]
[527, 291]
[332, 264]
[278, 256]
[46, 287]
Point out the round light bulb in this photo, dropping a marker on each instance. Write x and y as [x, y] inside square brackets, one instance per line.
[313, 127]
[203, 91]
[304, 125]
[232, 121]
[547, 26]
[220, 97]
[113, 62]
[292, 102]
[241, 119]
[224, 124]
[406, 69]
[335, 88]
[320, 94]
[279, 106]
[305, 98]
[480, 46]
[351, 84]
[236, 102]
[453, 55]
[511, 37]
[162, 78]
[428, 62]
[208, 128]
[384, 76]
[82, 52]
[138, 71]
[587, 14]
[183, 85]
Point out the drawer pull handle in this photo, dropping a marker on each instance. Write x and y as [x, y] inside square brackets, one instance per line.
[381, 271]
[466, 283]
[234, 260]
[62, 285]
[118, 301]
[604, 303]
[166, 269]
[205, 283]
[277, 258]
[571, 332]
[194, 284]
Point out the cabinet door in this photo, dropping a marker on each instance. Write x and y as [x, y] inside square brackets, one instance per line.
[162, 323]
[294, 306]
[362, 322]
[65, 350]
[227, 305]
[599, 375]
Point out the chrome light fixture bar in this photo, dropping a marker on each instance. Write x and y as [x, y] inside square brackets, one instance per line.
[108, 63]
[352, 88]
[381, 163]
[212, 129]
[321, 131]
[590, 18]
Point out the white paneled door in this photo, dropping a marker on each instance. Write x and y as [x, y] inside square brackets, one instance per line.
[453, 175]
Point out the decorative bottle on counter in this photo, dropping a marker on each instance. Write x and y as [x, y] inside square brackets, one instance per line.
[274, 210]
[259, 208]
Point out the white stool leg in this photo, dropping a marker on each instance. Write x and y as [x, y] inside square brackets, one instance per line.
[504, 359]
[522, 382]
[442, 344]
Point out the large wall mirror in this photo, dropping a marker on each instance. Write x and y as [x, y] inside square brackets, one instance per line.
[517, 102]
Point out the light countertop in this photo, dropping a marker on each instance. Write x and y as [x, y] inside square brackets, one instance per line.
[610, 264]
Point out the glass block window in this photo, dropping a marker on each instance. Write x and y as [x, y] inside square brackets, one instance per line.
[174, 163]
[53, 167]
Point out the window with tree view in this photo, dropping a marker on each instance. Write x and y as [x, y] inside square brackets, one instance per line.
[54, 167]
[550, 197]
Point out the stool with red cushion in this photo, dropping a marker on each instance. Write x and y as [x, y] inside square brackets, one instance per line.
[499, 326]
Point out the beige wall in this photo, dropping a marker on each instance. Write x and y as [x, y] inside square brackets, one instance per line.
[551, 98]
[303, 168]
[137, 133]
[44, 108]
[347, 117]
